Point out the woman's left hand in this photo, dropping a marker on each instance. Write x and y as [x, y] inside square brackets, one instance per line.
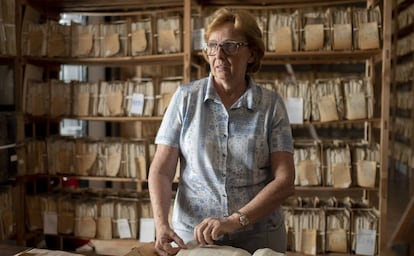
[211, 229]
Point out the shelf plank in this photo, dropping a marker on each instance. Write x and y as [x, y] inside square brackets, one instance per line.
[97, 178]
[316, 57]
[102, 5]
[32, 119]
[164, 59]
[332, 189]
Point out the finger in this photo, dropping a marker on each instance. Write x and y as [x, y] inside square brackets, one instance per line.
[179, 241]
[198, 234]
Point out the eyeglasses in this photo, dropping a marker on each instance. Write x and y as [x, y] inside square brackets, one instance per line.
[229, 47]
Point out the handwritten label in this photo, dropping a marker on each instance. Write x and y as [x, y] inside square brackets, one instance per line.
[123, 228]
[50, 223]
[365, 242]
[137, 106]
[147, 230]
[294, 108]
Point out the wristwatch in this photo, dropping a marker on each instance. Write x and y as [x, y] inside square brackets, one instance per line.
[243, 220]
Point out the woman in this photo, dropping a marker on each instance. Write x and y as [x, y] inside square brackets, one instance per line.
[235, 147]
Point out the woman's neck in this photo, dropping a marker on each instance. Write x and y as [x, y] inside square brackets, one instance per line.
[230, 93]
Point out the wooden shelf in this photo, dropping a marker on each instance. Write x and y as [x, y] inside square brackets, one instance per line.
[34, 119]
[96, 178]
[279, 3]
[375, 121]
[102, 5]
[316, 57]
[332, 189]
[164, 59]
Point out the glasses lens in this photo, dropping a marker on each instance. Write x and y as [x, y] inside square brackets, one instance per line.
[229, 48]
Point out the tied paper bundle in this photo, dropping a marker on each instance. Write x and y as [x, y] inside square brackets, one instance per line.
[66, 215]
[338, 223]
[261, 16]
[7, 88]
[359, 98]
[125, 223]
[367, 24]
[8, 27]
[36, 40]
[296, 90]
[58, 40]
[81, 98]
[365, 161]
[60, 102]
[94, 90]
[85, 40]
[364, 231]
[108, 160]
[111, 98]
[7, 220]
[327, 100]
[338, 166]
[86, 151]
[114, 39]
[283, 32]
[135, 89]
[134, 159]
[169, 34]
[86, 212]
[309, 228]
[403, 126]
[307, 160]
[404, 72]
[104, 220]
[405, 17]
[36, 156]
[34, 210]
[141, 37]
[405, 45]
[316, 30]
[37, 98]
[167, 88]
[60, 155]
[341, 29]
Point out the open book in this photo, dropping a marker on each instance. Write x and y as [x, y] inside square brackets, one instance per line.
[216, 250]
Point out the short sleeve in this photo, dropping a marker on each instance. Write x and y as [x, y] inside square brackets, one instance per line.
[170, 128]
[281, 131]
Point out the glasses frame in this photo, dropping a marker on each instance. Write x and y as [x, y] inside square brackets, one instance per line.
[238, 44]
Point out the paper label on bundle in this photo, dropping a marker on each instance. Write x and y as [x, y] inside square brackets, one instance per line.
[50, 223]
[309, 241]
[166, 40]
[147, 230]
[123, 228]
[307, 173]
[137, 106]
[282, 39]
[341, 177]
[314, 37]
[368, 36]
[139, 41]
[365, 242]
[327, 108]
[294, 107]
[342, 36]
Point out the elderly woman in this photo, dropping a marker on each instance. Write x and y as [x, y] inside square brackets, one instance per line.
[235, 147]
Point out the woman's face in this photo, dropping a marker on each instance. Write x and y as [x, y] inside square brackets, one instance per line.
[229, 67]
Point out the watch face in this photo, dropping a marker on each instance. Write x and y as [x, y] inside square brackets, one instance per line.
[244, 221]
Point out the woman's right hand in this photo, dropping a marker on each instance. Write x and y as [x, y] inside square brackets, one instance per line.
[165, 236]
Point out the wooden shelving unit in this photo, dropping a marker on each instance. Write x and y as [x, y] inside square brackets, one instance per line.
[377, 63]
